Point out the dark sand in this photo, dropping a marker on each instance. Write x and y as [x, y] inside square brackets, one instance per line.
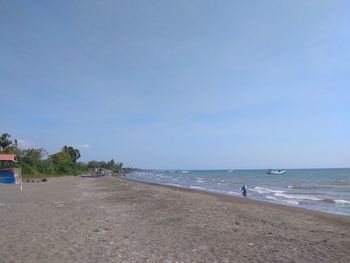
[115, 220]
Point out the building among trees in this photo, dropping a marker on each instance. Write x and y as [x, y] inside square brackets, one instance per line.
[8, 173]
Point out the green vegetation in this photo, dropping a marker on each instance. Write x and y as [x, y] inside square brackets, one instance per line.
[38, 163]
[110, 165]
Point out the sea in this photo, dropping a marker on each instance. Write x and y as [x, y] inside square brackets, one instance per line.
[326, 190]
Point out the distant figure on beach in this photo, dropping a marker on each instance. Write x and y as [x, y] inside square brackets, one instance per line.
[244, 190]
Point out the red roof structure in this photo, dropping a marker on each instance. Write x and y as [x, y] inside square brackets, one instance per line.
[8, 157]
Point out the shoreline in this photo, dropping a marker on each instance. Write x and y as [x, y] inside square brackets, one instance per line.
[222, 194]
[238, 199]
[115, 219]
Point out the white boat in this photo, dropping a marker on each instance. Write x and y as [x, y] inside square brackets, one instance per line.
[275, 171]
[230, 170]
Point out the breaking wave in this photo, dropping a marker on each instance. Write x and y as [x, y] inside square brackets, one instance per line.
[263, 190]
[298, 196]
[279, 200]
[345, 202]
[201, 180]
[336, 201]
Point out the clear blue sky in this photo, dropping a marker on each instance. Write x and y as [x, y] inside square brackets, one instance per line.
[180, 84]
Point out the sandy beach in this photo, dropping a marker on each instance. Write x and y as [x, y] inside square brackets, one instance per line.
[70, 219]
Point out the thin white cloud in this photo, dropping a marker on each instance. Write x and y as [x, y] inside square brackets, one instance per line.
[24, 144]
[85, 145]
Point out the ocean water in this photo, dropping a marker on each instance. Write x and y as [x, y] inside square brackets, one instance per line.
[326, 190]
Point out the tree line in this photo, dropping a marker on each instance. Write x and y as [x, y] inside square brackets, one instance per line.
[37, 161]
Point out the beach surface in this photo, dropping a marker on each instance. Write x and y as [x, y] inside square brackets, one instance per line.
[71, 219]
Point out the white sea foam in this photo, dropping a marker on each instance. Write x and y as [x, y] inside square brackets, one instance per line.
[291, 202]
[196, 187]
[281, 200]
[300, 197]
[143, 173]
[185, 172]
[298, 187]
[263, 190]
[271, 197]
[201, 180]
[233, 193]
[344, 202]
[162, 176]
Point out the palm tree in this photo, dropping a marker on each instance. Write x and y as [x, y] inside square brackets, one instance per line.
[5, 140]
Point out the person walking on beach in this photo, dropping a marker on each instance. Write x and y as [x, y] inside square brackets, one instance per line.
[244, 190]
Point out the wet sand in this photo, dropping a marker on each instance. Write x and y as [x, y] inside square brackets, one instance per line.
[70, 219]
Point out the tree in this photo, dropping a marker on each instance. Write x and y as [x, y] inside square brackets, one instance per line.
[93, 164]
[62, 158]
[120, 165]
[74, 153]
[5, 141]
[32, 156]
[110, 164]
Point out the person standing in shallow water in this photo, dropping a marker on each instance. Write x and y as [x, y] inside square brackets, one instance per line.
[244, 190]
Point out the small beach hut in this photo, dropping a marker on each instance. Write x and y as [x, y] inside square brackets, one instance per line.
[8, 173]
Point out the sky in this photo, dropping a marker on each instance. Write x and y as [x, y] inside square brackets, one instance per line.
[180, 84]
